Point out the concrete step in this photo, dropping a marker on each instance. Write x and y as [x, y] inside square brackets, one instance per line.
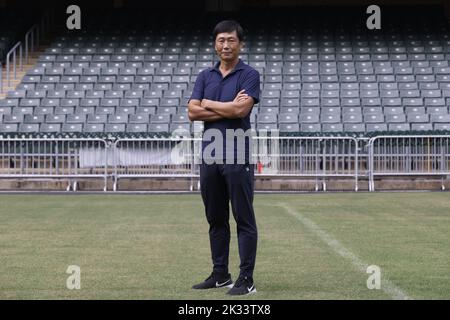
[20, 72]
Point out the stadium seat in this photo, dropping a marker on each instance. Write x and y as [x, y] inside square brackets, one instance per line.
[316, 81]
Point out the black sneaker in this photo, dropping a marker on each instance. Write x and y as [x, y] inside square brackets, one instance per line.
[215, 281]
[243, 286]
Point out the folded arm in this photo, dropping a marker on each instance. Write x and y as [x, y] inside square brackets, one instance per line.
[238, 108]
[210, 110]
[197, 112]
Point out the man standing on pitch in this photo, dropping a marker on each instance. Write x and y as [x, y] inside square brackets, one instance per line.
[223, 97]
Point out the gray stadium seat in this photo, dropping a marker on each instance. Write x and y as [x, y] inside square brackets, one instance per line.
[29, 127]
[371, 127]
[289, 127]
[317, 82]
[136, 127]
[94, 127]
[399, 126]
[9, 127]
[116, 127]
[50, 127]
[158, 127]
[310, 127]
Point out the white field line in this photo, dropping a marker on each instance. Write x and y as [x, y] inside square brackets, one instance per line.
[392, 290]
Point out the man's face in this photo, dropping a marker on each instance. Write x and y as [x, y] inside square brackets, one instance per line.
[228, 46]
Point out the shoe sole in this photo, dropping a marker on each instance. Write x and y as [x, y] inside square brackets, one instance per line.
[252, 292]
[229, 286]
[245, 294]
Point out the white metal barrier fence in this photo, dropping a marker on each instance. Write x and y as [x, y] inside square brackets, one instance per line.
[54, 158]
[418, 155]
[155, 158]
[318, 157]
[290, 157]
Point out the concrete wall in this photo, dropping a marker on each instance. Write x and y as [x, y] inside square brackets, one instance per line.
[261, 184]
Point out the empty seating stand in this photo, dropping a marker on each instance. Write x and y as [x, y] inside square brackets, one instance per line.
[136, 74]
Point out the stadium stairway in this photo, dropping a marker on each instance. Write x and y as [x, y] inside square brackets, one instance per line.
[32, 59]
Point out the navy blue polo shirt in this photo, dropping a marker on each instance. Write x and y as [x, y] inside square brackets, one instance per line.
[210, 84]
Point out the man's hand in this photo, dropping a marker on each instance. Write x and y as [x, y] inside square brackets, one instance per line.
[205, 103]
[241, 96]
[197, 112]
[238, 108]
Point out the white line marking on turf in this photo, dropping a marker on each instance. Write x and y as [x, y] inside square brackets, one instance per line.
[388, 287]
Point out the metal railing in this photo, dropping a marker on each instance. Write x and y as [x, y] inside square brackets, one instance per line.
[31, 41]
[1, 78]
[31, 37]
[318, 157]
[363, 156]
[287, 157]
[47, 21]
[37, 31]
[416, 155]
[54, 158]
[13, 51]
[179, 157]
[155, 158]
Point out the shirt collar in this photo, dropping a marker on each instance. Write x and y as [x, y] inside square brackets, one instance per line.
[240, 65]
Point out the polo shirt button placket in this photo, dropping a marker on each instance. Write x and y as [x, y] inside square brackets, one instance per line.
[220, 89]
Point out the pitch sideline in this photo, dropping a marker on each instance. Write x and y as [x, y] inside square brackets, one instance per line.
[388, 287]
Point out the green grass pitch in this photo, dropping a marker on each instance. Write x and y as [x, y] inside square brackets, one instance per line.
[311, 246]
